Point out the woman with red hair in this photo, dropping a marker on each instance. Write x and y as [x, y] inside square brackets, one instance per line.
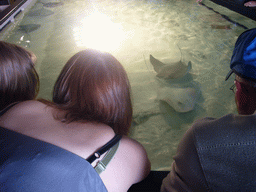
[59, 143]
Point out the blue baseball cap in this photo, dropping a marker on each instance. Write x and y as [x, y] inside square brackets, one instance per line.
[243, 60]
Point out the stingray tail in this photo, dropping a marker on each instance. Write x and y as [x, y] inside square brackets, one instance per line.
[156, 63]
[181, 58]
[145, 62]
[180, 52]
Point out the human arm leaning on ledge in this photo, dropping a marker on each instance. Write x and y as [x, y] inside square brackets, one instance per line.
[137, 157]
[186, 173]
[130, 165]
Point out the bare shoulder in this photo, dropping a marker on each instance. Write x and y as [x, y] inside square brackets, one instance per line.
[130, 165]
[32, 105]
[133, 146]
[22, 109]
[136, 157]
[26, 107]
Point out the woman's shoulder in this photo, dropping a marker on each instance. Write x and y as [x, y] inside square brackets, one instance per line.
[133, 146]
[27, 106]
[130, 165]
[22, 109]
[135, 155]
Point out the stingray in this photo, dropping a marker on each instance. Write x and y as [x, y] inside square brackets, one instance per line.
[28, 28]
[52, 4]
[41, 12]
[172, 70]
[25, 39]
[180, 99]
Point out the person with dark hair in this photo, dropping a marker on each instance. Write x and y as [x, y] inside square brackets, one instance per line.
[18, 77]
[77, 142]
[219, 154]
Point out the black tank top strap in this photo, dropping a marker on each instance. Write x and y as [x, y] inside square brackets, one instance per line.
[104, 148]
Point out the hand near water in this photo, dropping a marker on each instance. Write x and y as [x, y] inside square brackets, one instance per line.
[250, 4]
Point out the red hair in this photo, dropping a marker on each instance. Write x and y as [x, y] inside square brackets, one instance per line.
[93, 86]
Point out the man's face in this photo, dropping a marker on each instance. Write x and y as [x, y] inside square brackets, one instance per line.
[245, 96]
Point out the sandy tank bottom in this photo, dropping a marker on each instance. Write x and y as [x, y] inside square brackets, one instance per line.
[133, 30]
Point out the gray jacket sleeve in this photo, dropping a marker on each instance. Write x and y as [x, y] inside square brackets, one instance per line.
[186, 173]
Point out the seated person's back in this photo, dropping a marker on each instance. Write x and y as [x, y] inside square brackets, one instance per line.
[219, 154]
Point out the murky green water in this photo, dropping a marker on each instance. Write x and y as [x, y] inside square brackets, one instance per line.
[132, 30]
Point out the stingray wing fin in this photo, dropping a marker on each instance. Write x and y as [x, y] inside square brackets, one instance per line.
[156, 63]
[29, 27]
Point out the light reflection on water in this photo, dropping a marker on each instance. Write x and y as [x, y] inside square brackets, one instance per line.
[97, 31]
[132, 30]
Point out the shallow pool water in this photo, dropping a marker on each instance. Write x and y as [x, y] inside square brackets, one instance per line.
[133, 30]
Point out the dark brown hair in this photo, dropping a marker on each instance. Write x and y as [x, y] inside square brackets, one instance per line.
[93, 86]
[18, 78]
